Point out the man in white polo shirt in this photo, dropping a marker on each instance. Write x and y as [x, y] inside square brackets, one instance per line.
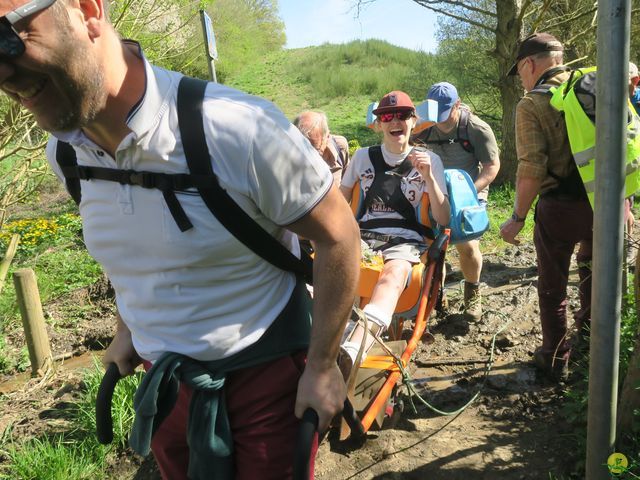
[199, 294]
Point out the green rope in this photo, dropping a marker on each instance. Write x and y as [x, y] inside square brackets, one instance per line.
[408, 381]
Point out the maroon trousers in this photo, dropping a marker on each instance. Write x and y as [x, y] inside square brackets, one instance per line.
[260, 405]
[561, 224]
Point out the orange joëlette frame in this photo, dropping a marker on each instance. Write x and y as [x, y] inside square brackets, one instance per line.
[428, 300]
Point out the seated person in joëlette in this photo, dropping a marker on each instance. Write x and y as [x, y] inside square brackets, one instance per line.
[397, 186]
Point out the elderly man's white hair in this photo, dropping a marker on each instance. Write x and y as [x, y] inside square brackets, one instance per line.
[633, 70]
[309, 120]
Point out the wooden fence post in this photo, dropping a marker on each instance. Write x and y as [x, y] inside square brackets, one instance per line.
[32, 319]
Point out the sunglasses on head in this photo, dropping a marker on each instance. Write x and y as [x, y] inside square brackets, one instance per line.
[401, 115]
[11, 45]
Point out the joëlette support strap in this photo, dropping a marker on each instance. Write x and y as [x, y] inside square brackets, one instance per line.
[386, 189]
[223, 207]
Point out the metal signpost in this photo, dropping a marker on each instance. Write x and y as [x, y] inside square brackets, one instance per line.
[210, 44]
[614, 20]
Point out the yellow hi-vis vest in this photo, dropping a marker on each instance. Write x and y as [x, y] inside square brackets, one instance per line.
[577, 99]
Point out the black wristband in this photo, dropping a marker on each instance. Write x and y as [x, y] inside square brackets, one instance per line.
[516, 218]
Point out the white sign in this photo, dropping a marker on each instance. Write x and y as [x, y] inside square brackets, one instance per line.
[210, 37]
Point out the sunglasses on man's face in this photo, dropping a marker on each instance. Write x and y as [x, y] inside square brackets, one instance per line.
[11, 45]
[402, 115]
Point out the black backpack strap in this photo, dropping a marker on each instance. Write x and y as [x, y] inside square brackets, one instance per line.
[386, 189]
[73, 173]
[66, 158]
[544, 89]
[463, 130]
[190, 97]
[462, 134]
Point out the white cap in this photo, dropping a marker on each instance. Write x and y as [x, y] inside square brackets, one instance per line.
[633, 70]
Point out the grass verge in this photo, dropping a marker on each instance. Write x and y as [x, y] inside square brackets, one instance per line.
[76, 453]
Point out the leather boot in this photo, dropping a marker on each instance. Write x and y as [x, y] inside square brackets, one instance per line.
[472, 301]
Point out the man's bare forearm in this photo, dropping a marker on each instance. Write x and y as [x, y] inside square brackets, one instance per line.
[336, 273]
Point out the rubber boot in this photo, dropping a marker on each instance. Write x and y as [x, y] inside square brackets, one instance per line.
[472, 301]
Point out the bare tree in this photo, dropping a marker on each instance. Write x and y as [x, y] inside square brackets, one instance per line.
[22, 165]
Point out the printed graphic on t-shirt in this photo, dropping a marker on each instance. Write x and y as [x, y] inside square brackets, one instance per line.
[411, 185]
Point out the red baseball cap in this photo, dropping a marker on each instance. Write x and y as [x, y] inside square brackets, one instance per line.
[393, 102]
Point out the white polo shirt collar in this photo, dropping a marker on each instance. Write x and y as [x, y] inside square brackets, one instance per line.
[144, 115]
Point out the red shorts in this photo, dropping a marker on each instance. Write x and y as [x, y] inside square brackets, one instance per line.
[260, 405]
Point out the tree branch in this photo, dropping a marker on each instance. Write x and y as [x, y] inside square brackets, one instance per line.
[454, 16]
[568, 19]
[543, 9]
[456, 3]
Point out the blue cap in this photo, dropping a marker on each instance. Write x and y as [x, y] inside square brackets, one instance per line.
[446, 95]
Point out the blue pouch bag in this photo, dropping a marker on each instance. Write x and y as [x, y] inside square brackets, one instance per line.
[469, 219]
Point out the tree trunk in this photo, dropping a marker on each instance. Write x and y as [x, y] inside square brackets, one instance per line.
[510, 94]
[508, 33]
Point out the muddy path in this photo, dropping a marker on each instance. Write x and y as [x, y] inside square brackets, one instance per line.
[515, 428]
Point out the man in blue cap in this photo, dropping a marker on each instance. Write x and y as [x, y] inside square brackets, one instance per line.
[466, 142]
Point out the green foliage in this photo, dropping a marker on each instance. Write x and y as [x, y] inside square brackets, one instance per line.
[75, 454]
[341, 80]
[500, 208]
[245, 30]
[168, 30]
[55, 459]
[575, 406]
[353, 146]
[121, 407]
[5, 361]
[36, 232]
[53, 248]
[362, 68]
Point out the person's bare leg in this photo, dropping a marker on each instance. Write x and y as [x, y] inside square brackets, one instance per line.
[380, 308]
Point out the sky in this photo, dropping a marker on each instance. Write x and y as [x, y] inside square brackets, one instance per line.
[399, 22]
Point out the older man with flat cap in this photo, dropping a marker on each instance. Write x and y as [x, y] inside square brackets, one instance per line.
[563, 215]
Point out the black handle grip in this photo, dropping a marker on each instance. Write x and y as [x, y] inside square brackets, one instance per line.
[306, 433]
[104, 422]
[436, 249]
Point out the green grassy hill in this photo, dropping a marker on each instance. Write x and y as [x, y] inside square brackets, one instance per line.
[342, 80]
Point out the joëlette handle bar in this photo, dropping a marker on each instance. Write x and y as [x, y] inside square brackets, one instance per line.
[104, 422]
[306, 434]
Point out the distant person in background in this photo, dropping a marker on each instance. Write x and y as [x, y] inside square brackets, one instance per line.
[634, 90]
[464, 141]
[334, 149]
